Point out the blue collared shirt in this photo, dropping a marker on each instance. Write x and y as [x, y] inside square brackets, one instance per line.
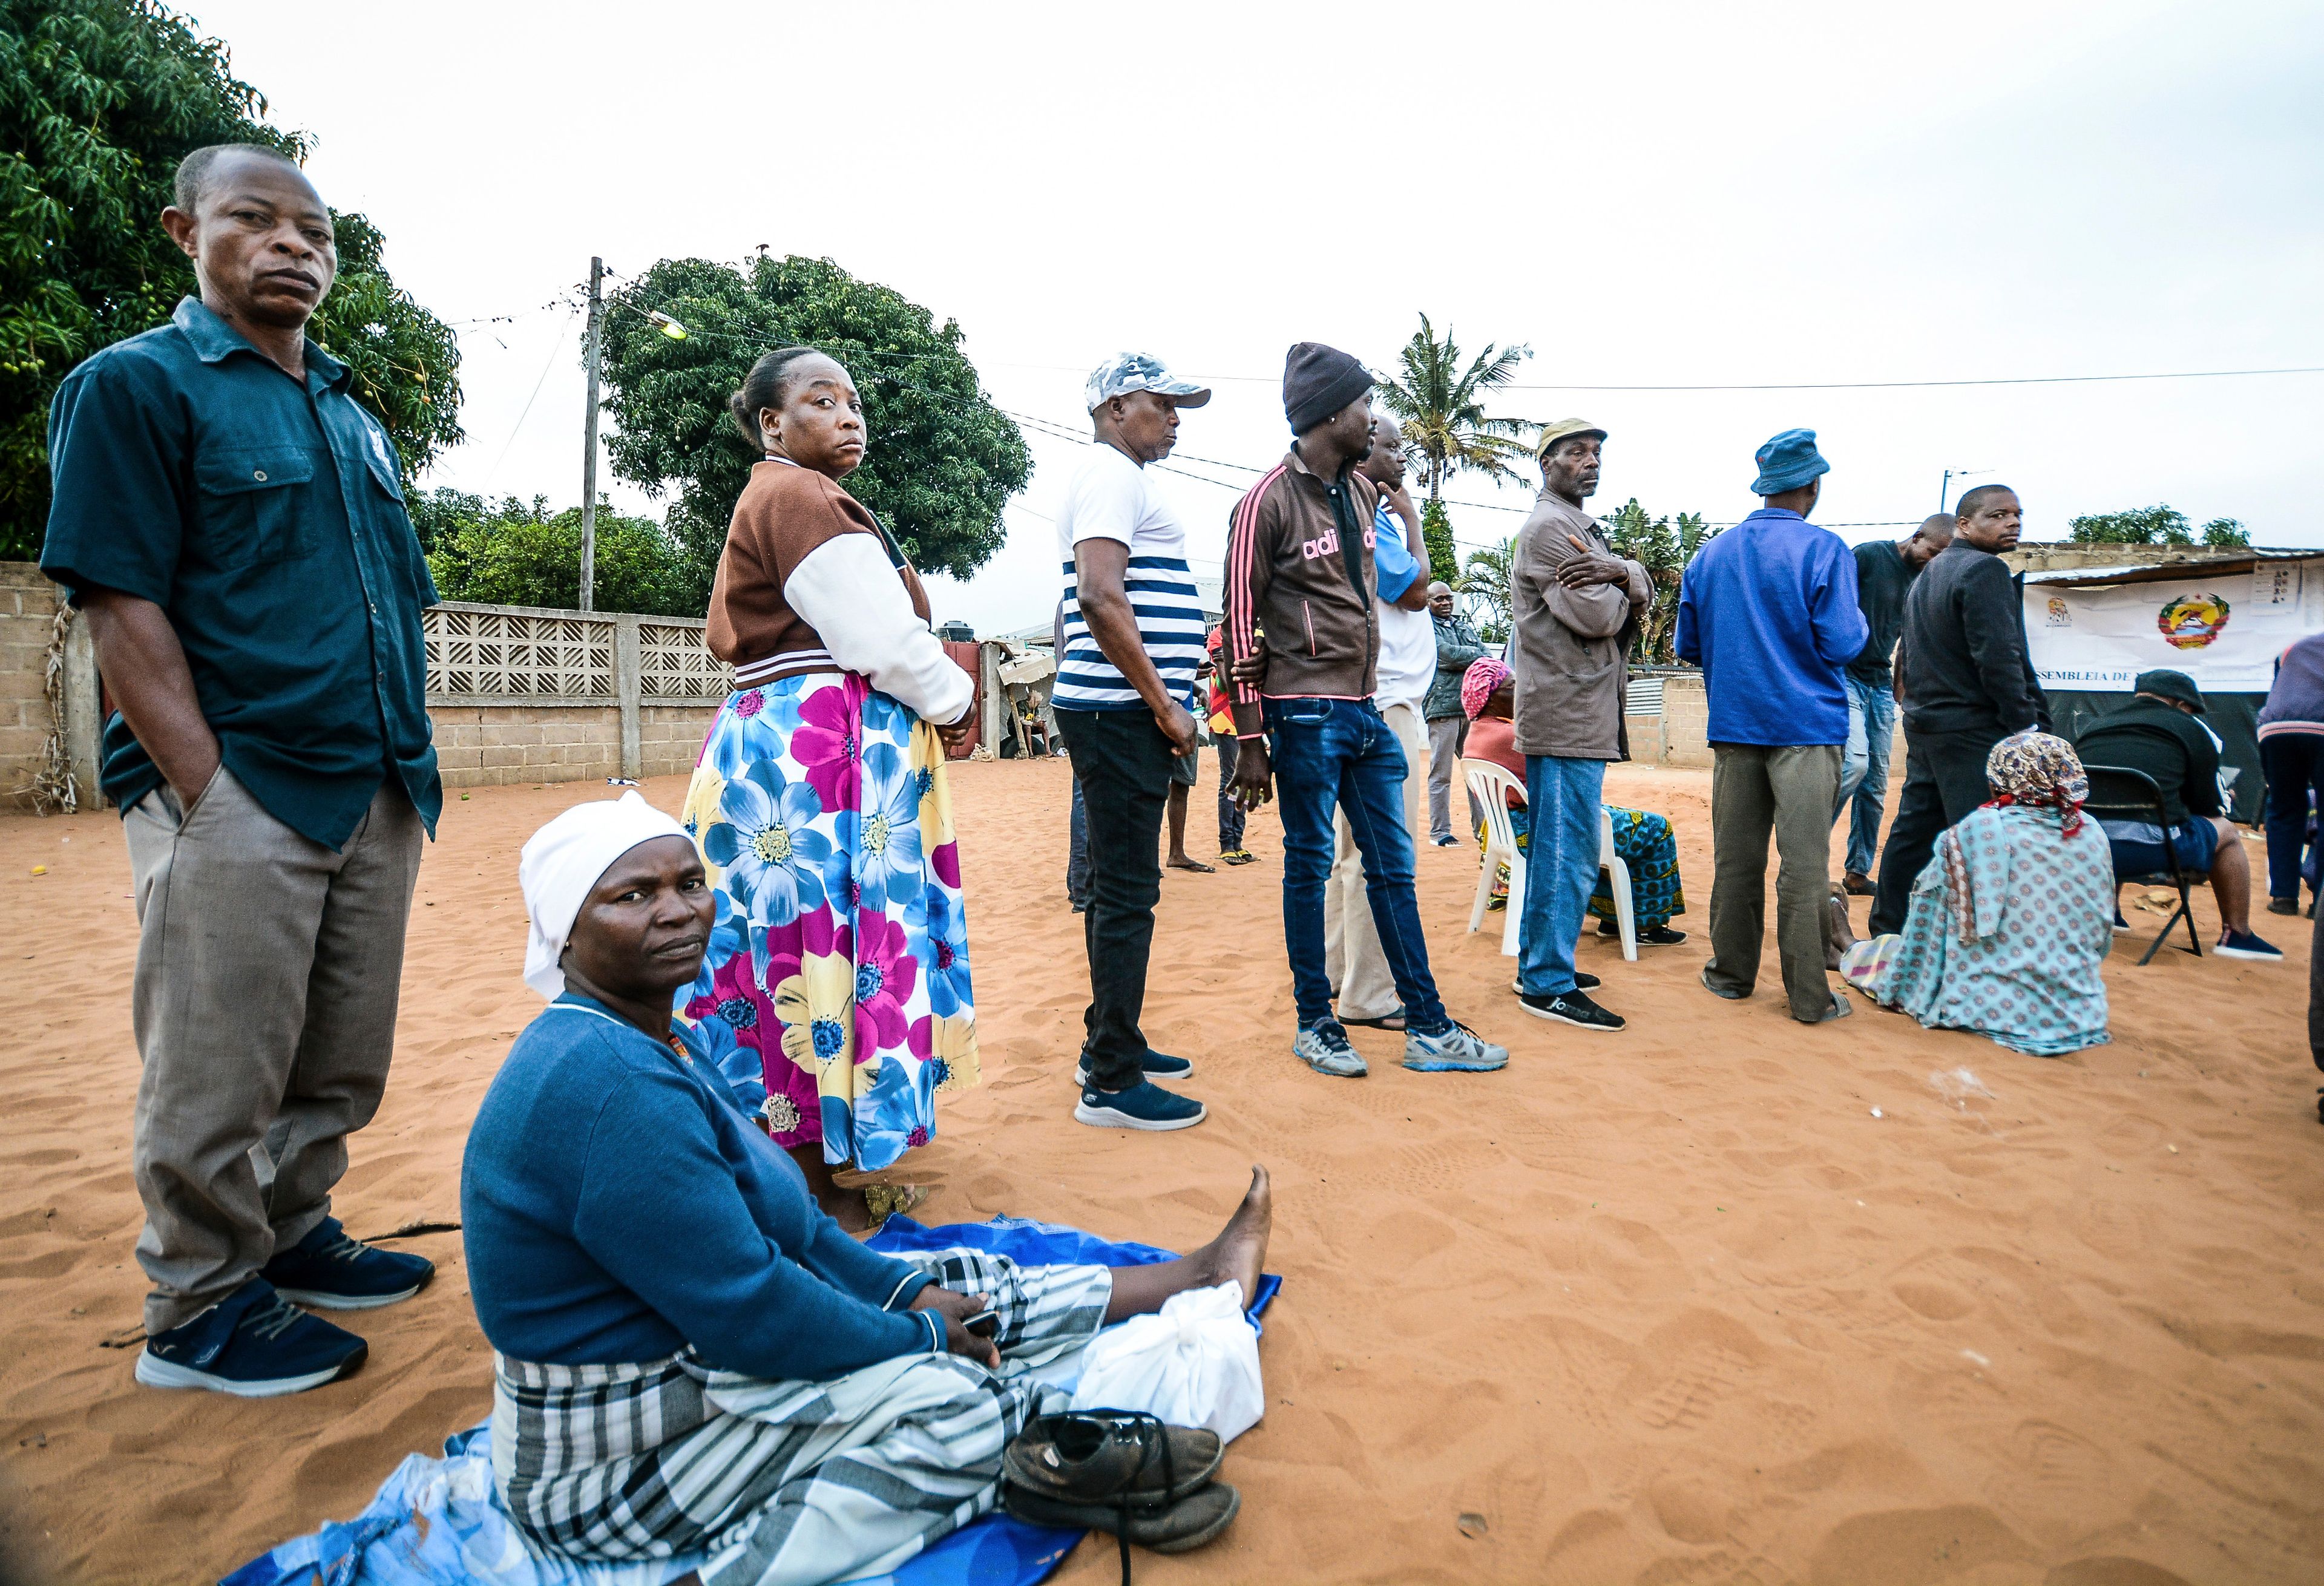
[1397, 566]
[1768, 611]
[266, 516]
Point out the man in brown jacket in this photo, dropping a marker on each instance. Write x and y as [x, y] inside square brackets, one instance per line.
[1575, 606]
[1303, 649]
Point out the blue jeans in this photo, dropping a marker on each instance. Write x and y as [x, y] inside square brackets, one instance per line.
[1340, 754]
[1864, 766]
[1563, 798]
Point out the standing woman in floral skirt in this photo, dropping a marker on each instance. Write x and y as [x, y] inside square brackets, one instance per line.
[841, 950]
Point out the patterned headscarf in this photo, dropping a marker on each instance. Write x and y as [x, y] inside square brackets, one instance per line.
[2034, 768]
[1476, 684]
[2030, 768]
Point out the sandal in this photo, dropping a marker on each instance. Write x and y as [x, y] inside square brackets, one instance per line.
[884, 1201]
[1237, 856]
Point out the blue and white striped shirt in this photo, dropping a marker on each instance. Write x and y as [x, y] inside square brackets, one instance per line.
[1111, 498]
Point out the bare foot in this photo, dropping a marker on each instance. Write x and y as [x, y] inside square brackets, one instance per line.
[1838, 936]
[1240, 1249]
[1183, 862]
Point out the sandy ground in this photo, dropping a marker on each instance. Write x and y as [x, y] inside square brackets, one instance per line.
[1721, 1299]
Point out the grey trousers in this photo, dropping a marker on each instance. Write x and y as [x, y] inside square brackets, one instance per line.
[265, 1005]
[1445, 734]
[1755, 789]
[1352, 955]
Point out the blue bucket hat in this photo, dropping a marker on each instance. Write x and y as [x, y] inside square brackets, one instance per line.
[1788, 461]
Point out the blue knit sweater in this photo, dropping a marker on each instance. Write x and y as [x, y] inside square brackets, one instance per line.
[1768, 611]
[617, 1205]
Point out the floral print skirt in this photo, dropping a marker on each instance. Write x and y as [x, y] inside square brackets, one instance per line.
[841, 950]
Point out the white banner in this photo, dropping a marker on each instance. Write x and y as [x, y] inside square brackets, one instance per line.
[2224, 630]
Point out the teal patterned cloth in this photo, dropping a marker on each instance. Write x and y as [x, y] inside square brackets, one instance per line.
[2010, 921]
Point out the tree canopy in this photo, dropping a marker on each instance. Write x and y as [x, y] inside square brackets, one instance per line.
[100, 99]
[2154, 525]
[1664, 547]
[512, 552]
[1441, 404]
[940, 459]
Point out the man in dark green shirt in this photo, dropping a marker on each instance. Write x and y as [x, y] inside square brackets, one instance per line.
[2157, 732]
[231, 524]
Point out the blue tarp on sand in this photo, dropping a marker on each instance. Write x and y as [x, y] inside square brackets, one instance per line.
[436, 1522]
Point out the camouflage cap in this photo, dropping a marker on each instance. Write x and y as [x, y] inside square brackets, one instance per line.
[1127, 372]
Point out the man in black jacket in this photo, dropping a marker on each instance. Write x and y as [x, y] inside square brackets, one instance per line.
[1965, 682]
[2158, 733]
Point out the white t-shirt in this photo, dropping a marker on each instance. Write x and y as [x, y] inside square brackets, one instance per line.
[1111, 498]
[1407, 654]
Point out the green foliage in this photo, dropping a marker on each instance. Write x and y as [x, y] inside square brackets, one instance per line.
[2154, 525]
[1440, 405]
[517, 553]
[2226, 531]
[1436, 534]
[1664, 547]
[100, 99]
[940, 462]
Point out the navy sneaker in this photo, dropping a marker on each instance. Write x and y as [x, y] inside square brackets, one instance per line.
[2244, 944]
[1570, 1008]
[253, 1344]
[1583, 982]
[332, 1271]
[1153, 1066]
[1144, 1105]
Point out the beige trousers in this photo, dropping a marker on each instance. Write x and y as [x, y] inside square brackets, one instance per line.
[1756, 790]
[1352, 947]
[265, 1005]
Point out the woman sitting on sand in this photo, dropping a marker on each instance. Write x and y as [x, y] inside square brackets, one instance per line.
[1644, 841]
[2012, 918]
[820, 805]
[690, 1357]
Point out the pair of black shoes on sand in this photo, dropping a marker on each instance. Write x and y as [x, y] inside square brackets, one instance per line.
[1121, 1471]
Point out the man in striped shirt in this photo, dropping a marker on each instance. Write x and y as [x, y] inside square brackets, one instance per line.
[1133, 638]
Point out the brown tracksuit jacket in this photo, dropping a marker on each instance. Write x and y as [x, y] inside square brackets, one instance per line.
[1300, 585]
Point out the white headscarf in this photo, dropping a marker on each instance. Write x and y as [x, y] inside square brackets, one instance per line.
[563, 861]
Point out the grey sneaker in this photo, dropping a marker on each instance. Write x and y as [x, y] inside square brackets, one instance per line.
[1455, 1049]
[1326, 1050]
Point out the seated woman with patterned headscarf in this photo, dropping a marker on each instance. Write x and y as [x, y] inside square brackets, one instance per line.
[2011, 918]
[1643, 839]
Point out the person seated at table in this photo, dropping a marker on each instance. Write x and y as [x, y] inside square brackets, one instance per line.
[2158, 732]
[1643, 840]
[690, 1356]
[2010, 920]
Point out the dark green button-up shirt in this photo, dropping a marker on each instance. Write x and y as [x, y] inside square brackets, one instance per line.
[266, 517]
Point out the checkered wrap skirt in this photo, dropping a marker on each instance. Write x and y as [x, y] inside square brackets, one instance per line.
[782, 1482]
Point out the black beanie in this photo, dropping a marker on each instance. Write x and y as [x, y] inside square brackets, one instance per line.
[1317, 383]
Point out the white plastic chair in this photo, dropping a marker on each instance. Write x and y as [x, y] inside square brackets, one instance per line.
[1490, 785]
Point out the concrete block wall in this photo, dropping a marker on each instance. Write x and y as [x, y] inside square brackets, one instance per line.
[1680, 735]
[28, 609]
[669, 737]
[484, 746]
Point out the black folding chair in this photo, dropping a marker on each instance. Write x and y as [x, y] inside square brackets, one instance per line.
[2120, 793]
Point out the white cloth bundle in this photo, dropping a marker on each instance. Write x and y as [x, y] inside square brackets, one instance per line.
[562, 861]
[1195, 1364]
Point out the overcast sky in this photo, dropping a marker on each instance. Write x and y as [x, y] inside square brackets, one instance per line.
[1646, 195]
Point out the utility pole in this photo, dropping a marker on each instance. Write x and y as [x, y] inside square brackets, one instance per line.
[589, 456]
[1945, 491]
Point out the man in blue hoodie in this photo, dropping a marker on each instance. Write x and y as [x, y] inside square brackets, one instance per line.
[1768, 611]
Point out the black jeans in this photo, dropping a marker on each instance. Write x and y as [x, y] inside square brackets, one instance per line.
[1121, 761]
[2294, 763]
[1077, 869]
[1944, 779]
[1230, 814]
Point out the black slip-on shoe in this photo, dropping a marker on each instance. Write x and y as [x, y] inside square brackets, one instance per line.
[1103, 1456]
[1570, 1008]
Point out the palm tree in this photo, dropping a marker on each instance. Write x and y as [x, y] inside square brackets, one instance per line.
[1441, 407]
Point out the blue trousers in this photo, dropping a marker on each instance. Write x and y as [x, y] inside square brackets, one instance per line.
[1864, 767]
[1563, 800]
[1339, 754]
[2294, 763]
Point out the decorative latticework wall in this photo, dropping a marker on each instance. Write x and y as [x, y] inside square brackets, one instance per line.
[675, 666]
[481, 652]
